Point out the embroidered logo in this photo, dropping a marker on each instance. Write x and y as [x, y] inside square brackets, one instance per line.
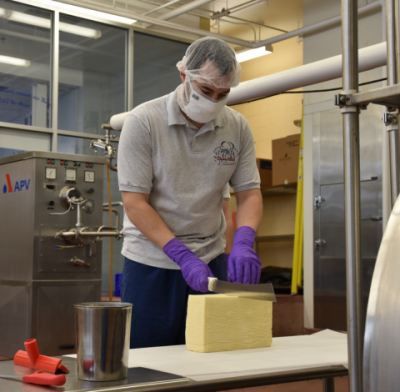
[226, 154]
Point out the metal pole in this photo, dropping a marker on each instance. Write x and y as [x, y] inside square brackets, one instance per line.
[55, 41]
[392, 75]
[355, 319]
[329, 384]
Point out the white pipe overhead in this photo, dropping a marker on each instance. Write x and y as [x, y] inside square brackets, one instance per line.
[331, 68]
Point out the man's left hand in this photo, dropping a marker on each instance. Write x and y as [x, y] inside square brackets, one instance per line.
[244, 265]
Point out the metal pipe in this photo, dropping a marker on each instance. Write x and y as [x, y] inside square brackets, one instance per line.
[161, 7]
[244, 6]
[55, 67]
[394, 162]
[397, 38]
[162, 23]
[355, 317]
[78, 215]
[72, 234]
[391, 42]
[255, 23]
[114, 204]
[105, 208]
[203, 33]
[185, 8]
[318, 26]
[112, 166]
[329, 384]
[393, 77]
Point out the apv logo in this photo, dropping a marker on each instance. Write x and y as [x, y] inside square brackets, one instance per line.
[19, 185]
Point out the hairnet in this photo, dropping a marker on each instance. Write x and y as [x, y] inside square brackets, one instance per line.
[212, 61]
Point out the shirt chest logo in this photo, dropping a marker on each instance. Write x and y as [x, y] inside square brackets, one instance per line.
[226, 154]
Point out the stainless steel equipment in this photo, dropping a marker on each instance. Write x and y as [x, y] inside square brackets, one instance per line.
[382, 343]
[51, 226]
[329, 212]
[103, 332]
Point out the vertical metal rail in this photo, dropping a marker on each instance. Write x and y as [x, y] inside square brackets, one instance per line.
[329, 384]
[393, 75]
[355, 319]
[130, 70]
[55, 38]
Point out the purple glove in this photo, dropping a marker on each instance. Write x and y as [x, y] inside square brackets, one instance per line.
[244, 265]
[194, 271]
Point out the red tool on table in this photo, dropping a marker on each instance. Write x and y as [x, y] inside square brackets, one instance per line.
[39, 378]
[32, 358]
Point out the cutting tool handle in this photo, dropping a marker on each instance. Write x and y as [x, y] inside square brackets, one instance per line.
[41, 378]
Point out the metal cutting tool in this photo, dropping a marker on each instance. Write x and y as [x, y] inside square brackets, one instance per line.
[264, 291]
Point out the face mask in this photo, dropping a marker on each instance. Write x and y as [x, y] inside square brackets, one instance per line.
[196, 106]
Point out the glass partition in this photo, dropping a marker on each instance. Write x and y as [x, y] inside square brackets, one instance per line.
[24, 64]
[155, 72]
[92, 85]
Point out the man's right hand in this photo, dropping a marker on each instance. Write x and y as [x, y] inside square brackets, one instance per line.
[194, 271]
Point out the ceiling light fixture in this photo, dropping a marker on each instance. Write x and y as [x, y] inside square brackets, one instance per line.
[98, 14]
[46, 23]
[14, 61]
[245, 55]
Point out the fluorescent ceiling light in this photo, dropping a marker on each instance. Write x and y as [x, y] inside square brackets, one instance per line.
[14, 61]
[87, 11]
[253, 53]
[46, 23]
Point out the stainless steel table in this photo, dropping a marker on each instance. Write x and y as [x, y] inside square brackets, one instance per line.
[142, 379]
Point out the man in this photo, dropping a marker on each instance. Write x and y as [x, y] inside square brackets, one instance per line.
[176, 154]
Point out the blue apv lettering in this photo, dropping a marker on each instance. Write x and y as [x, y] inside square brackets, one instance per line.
[16, 188]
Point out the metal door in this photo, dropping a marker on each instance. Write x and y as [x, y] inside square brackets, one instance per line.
[329, 223]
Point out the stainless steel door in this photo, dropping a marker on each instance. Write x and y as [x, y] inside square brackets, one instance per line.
[329, 225]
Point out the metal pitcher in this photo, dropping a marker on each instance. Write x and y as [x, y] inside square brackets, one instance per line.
[102, 340]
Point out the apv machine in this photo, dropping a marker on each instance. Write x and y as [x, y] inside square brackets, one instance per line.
[51, 207]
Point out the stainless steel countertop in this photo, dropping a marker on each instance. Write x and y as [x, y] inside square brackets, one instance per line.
[148, 380]
[138, 378]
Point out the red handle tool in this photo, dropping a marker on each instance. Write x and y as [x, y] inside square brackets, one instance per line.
[32, 358]
[40, 378]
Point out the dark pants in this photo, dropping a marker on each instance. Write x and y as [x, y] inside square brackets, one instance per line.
[159, 297]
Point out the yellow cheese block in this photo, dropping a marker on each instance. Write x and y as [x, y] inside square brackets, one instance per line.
[224, 323]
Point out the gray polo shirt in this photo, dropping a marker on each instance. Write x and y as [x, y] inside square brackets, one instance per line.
[185, 171]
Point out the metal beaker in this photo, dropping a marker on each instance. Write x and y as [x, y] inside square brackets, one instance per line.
[102, 340]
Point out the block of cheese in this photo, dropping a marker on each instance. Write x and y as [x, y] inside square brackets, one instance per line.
[224, 323]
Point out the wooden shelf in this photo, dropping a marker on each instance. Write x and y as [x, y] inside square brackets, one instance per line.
[275, 238]
[277, 191]
[280, 191]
